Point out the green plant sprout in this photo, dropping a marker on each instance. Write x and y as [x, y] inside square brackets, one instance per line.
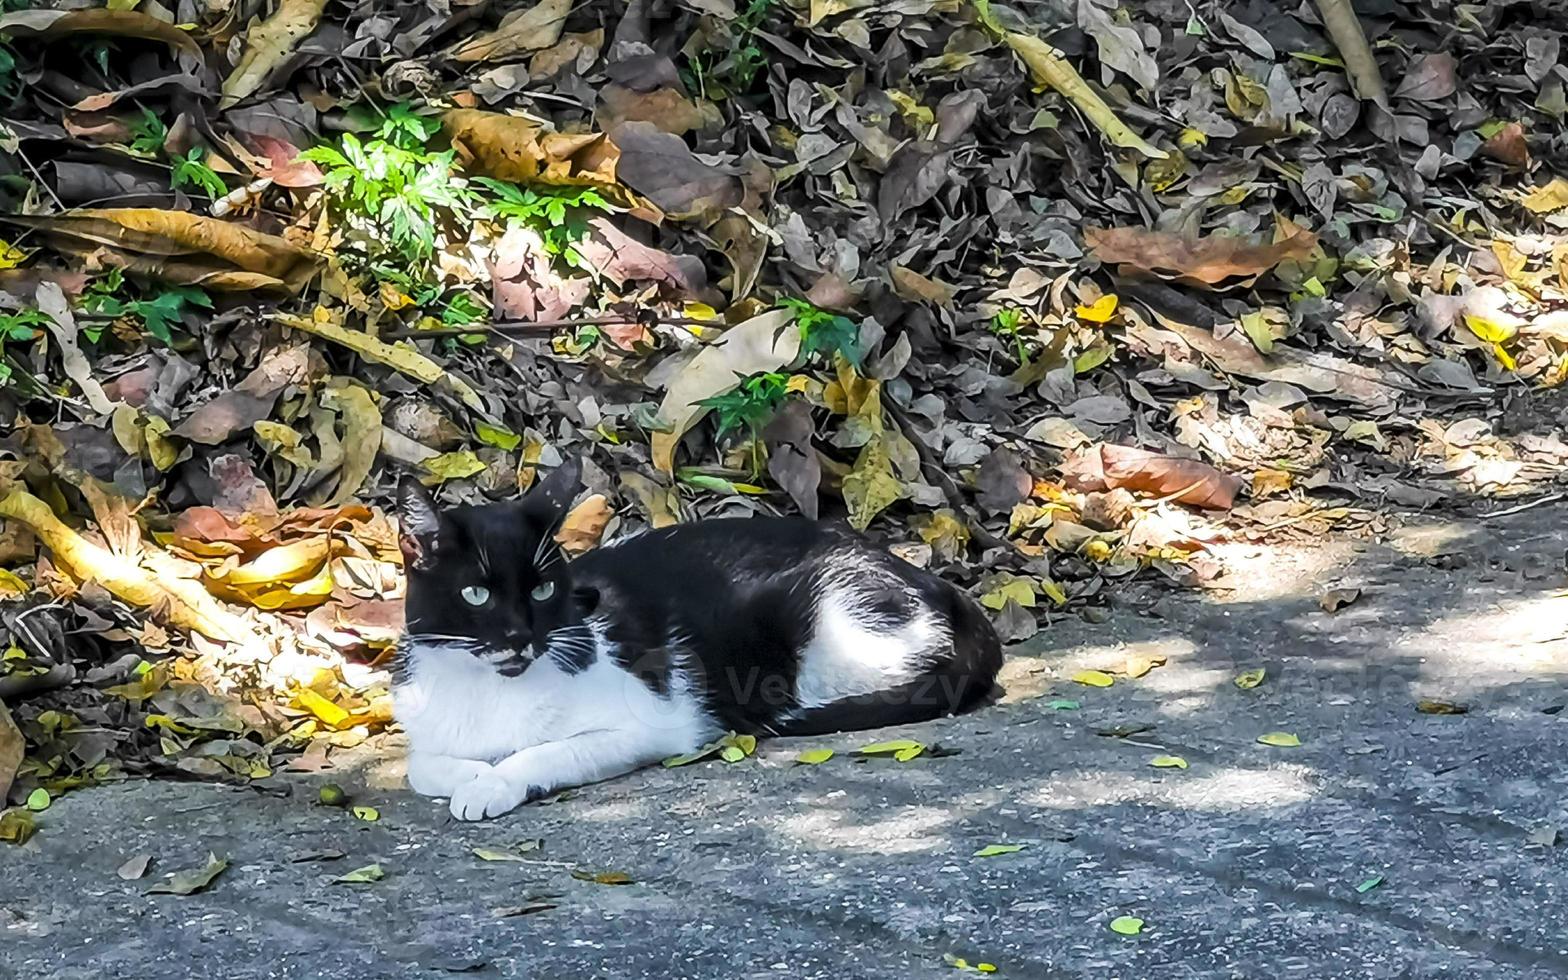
[558, 215]
[749, 405]
[158, 313]
[148, 134]
[21, 326]
[190, 171]
[822, 331]
[723, 72]
[1008, 323]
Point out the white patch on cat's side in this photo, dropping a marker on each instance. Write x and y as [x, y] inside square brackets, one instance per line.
[541, 730]
[847, 657]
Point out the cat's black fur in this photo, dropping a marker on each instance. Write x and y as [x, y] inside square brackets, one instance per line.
[730, 603]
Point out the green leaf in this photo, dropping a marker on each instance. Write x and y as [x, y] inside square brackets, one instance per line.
[1093, 678]
[192, 881]
[993, 850]
[1284, 740]
[1127, 925]
[730, 747]
[38, 800]
[495, 435]
[1063, 704]
[1249, 679]
[17, 826]
[148, 133]
[737, 747]
[1369, 884]
[893, 747]
[361, 876]
[1168, 762]
[189, 170]
[454, 466]
[814, 757]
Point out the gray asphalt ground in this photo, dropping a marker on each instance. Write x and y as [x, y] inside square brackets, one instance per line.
[1245, 864]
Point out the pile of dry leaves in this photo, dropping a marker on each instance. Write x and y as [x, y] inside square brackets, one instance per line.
[1044, 295]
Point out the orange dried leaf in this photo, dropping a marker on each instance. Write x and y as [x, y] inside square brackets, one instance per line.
[1206, 261]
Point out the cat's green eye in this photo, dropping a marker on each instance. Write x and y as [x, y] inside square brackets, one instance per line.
[543, 591]
[475, 595]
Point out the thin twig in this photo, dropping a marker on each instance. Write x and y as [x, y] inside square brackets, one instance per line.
[509, 328]
[1550, 498]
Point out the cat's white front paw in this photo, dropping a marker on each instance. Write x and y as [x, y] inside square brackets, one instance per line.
[488, 796]
[440, 775]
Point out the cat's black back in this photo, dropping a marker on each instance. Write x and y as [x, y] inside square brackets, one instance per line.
[738, 602]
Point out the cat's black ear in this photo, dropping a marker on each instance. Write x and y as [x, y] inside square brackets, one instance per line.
[419, 523]
[554, 494]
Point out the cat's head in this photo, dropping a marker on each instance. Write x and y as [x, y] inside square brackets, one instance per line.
[492, 580]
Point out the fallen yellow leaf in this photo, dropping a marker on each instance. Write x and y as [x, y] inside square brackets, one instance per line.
[1100, 311]
[1547, 198]
[1284, 740]
[329, 712]
[1094, 678]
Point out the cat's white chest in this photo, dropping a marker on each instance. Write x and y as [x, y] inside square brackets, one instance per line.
[455, 704]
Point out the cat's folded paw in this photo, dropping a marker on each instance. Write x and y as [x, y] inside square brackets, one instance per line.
[441, 775]
[489, 796]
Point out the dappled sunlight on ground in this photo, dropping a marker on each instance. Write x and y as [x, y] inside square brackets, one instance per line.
[910, 829]
[1227, 789]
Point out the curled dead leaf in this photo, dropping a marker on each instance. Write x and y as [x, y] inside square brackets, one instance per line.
[1187, 481]
[268, 44]
[521, 31]
[584, 525]
[1214, 260]
[519, 150]
[178, 247]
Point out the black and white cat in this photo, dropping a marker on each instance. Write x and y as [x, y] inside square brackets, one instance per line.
[521, 674]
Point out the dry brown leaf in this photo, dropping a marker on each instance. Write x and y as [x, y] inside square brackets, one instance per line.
[1509, 146]
[521, 31]
[361, 436]
[584, 525]
[178, 247]
[12, 748]
[916, 288]
[664, 107]
[1187, 481]
[46, 25]
[516, 149]
[248, 402]
[62, 325]
[1208, 261]
[268, 44]
[661, 168]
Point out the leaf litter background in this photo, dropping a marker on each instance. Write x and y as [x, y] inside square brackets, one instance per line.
[1044, 296]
